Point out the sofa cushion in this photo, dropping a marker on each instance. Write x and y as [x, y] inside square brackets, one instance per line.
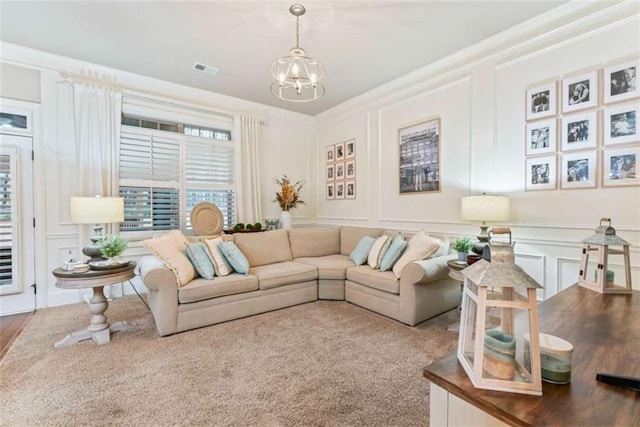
[234, 257]
[377, 251]
[312, 242]
[283, 273]
[393, 254]
[421, 246]
[264, 248]
[171, 249]
[382, 280]
[350, 236]
[330, 267]
[197, 254]
[222, 266]
[360, 254]
[201, 289]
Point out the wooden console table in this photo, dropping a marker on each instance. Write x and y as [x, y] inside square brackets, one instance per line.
[605, 333]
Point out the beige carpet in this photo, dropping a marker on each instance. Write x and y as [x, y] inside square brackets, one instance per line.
[323, 363]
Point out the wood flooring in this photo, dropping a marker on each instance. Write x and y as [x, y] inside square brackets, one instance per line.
[10, 329]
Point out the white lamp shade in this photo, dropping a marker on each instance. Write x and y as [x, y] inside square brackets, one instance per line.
[485, 208]
[97, 210]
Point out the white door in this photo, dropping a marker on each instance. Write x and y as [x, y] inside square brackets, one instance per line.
[17, 253]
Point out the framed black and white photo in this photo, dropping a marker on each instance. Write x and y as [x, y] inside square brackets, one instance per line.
[340, 190]
[419, 167]
[541, 137]
[620, 167]
[331, 173]
[331, 153]
[350, 172]
[340, 151]
[621, 81]
[579, 170]
[542, 101]
[579, 131]
[339, 171]
[350, 190]
[580, 92]
[330, 191]
[541, 173]
[621, 124]
[350, 148]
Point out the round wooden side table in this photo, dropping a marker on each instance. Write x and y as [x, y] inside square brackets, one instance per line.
[99, 330]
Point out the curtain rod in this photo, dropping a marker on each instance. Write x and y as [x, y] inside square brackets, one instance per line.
[76, 78]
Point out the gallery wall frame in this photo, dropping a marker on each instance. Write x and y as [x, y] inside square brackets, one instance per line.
[621, 123]
[542, 100]
[620, 167]
[541, 137]
[541, 173]
[340, 152]
[340, 166]
[580, 92]
[340, 190]
[419, 165]
[330, 155]
[621, 81]
[330, 191]
[350, 149]
[579, 131]
[579, 170]
[350, 190]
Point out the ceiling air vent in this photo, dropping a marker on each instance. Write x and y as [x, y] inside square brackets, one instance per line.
[205, 68]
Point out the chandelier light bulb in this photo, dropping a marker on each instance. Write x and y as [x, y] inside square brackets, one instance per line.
[297, 76]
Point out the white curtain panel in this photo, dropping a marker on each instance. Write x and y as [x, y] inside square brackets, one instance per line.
[249, 206]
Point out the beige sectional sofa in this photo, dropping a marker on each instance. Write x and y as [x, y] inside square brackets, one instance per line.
[290, 267]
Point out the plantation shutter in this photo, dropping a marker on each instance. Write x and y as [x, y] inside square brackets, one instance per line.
[8, 218]
[148, 156]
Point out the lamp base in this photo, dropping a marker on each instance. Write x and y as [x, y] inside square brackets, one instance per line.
[93, 252]
[483, 239]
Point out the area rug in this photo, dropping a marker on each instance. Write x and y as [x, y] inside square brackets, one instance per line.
[322, 363]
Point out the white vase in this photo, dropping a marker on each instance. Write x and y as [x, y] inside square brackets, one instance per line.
[285, 220]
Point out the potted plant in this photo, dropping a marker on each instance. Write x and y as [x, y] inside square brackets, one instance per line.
[288, 198]
[463, 246]
[111, 247]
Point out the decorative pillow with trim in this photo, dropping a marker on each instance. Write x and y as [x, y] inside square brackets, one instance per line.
[235, 257]
[171, 250]
[197, 254]
[361, 252]
[393, 254]
[420, 246]
[220, 263]
[377, 251]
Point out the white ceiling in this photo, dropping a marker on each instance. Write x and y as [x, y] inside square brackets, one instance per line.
[362, 44]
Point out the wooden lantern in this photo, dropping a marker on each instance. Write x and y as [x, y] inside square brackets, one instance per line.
[601, 243]
[498, 309]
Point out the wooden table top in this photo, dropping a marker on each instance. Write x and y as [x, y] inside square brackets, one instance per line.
[93, 278]
[605, 333]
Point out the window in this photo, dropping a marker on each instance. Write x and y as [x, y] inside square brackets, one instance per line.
[164, 174]
[7, 226]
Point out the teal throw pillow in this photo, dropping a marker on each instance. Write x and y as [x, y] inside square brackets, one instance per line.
[361, 252]
[236, 258]
[393, 253]
[197, 254]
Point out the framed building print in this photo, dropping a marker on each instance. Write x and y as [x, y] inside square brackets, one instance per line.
[350, 166]
[542, 101]
[620, 167]
[340, 152]
[340, 190]
[330, 153]
[541, 137]
[621, 123]
[580, 92]
[350, 148]
[621, 81]
[579, 131]
[350, 189]
[419, 168]
[541, 173]
[331, 172]
[330, 191]
[579, 170]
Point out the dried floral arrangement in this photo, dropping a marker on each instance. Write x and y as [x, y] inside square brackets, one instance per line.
[289, 195]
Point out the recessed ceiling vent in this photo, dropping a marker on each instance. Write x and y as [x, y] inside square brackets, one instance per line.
[205, 68]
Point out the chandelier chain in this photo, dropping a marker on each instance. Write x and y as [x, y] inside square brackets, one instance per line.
[297, 31]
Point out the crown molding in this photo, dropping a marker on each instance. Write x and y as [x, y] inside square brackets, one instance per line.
[576, 19]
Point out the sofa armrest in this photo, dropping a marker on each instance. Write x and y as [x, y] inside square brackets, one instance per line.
[427, 270]
[163, 293]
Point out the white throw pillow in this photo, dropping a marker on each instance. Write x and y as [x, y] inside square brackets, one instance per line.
[377, 251]
[420, 247]
[171, 250]
[222, 266]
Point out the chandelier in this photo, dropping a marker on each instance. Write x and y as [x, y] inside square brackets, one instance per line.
[297, 76]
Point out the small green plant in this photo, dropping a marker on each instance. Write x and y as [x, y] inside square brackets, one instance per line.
[257, 226]
[463, 244]
[112, 246]
[249, 227]
[239, 226]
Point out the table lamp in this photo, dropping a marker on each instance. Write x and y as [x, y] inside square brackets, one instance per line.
[484, 208]
[96, 210]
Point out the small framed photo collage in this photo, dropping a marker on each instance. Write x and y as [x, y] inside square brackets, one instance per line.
[579, 133]
[340, 171]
